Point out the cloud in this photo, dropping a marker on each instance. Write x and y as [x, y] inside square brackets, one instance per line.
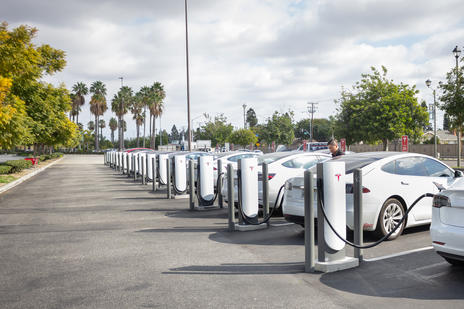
[268, 54]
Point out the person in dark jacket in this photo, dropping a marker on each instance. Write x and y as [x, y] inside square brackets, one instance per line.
[333, 147]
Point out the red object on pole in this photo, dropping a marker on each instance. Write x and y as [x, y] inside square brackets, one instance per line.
[343, 144]
[305, 145]
[34, 161]
[404, 143]
[273, 146]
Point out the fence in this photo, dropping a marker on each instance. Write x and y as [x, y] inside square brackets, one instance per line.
[444, 150]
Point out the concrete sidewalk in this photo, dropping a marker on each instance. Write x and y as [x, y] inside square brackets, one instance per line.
[84, 236]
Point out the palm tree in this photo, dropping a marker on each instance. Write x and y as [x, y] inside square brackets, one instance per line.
[102, 125]
[79, 90]
[120, 105]
[145, 93]
[156, 106]
[113, 126]
[98, 105]
[138, 112]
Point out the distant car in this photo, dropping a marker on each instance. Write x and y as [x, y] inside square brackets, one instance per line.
[392, 181]
[314, 146]
[447, 229]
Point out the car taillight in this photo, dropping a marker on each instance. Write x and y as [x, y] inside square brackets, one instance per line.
[350, 189]
[270, 176]
[215, 168]
[440, 201]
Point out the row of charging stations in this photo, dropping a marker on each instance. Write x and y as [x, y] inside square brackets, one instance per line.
[175, 172]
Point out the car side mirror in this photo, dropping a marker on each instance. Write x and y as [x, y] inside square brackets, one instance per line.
[458, 173]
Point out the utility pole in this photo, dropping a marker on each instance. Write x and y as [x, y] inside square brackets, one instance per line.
[312, 108]
[457, 53]
[188, 81]
[244, 115]
[121, 104]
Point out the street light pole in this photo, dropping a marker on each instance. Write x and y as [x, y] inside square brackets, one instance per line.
[121, 128]
[244, 115]
[188, 81]
[428, 82]
[457, 53]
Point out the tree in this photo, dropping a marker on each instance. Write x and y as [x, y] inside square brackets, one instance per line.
[243, 137]
[175, 136]
[156, 107]
[146, 95]
[452, 99]
[113, 126]
[377, 109]
[31, 112]
[91, 125]
[278, 128]
[251, 118]
[78, 100]
[217, 130]
[136, 107]
[98, 105]
[120, 106]
[102, 125]
[446, 122]
[321, 129]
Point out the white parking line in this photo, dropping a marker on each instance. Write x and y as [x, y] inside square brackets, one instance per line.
[398, 254]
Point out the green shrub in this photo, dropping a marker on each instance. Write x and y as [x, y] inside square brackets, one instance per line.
[57, 155]
[5, 169]
[43, 158]
[18, 165]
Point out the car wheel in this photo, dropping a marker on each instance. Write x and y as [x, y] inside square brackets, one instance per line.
[454, 262]
[390, 215]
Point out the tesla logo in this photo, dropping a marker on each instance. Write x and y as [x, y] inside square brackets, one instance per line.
[338, 176]
[251, 168]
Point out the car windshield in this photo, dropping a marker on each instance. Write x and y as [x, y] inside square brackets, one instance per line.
[272, 157]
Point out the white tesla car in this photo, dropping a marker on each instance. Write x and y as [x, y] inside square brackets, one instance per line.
[392, 181]
[283, 166]
[231, 157]
[447, 229]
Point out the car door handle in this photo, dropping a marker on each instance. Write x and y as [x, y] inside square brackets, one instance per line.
[405, 183]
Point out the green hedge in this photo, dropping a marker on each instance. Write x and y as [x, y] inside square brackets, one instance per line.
[18, 165]
[5, 169]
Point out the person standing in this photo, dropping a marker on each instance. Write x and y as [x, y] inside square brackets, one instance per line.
[334, 149]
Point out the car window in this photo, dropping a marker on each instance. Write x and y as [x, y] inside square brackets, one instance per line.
[241, 156]
[389, 167]
[411, 166]
[437, 169]
[301, 162]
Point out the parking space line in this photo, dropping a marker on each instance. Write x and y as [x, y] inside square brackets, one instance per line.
[398, 254]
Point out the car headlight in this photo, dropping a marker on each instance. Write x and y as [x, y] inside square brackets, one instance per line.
[441, 201]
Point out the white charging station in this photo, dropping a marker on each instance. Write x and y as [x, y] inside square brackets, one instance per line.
[130, 167]
[143, 167]
[180, 174]
[206, 178]
[149, 165]
[249, 187]
[331, 249]
[163, 176]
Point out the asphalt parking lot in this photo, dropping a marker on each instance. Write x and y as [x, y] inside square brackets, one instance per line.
[80, 235]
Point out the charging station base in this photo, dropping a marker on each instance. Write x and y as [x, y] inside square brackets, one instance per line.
[181, 196]
[333, 266]
[205, 208]
[250, 227]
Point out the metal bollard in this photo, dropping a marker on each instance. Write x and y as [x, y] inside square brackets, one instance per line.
[168, 176]
[265, 183]
[219, 184]
[191, 184]
[309, 227]
[239, 175]
[153, 172]
[133, 167]
[143, 171]
[230, 196]
[358, 210]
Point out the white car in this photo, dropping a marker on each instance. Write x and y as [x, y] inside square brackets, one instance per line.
[283, 166]
[392, 181]
[447, 229]
[231, 157]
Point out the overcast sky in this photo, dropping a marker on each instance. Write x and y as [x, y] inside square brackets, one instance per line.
[269, 54]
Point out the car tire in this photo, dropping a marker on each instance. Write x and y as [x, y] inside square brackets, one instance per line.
[390, 214]
[454, 262]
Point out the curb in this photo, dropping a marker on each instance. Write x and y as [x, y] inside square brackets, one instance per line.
[26, 177]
